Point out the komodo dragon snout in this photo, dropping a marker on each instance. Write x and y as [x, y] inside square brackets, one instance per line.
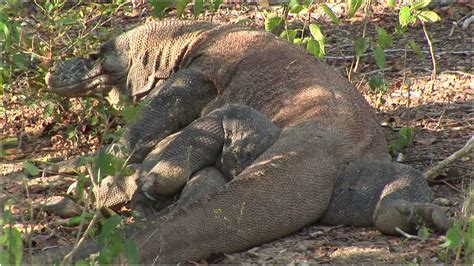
[80, 76]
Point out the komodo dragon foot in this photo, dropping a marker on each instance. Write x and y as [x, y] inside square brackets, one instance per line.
[386, 195]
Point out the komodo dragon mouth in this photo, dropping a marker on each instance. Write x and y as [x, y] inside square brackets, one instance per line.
[80, 77]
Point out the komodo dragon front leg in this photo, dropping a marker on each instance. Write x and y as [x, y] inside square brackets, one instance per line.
[173, 105]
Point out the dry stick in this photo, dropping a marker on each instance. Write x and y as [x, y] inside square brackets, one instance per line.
[97, 215]
[405, 234]
[433, 172]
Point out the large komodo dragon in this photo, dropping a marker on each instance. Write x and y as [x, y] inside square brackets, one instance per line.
[328, 162]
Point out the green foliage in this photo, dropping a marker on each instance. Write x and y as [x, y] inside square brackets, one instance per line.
[180, 5]
[409, 14]
[314, 43]
[354, 5]
[317, 36]
[113, 242]
[108, 164]
[273, 20]
[424, 233]
[159, 8]
[404, 138]
[377, 83]
[379, 57]
[31, 169]
[415, 48]
[10, 240]
[330, 14]
[198, 5]
[360, 46]
[384, 40]
[460, 237]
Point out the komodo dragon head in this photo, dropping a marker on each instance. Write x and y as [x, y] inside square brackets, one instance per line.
[134, 62]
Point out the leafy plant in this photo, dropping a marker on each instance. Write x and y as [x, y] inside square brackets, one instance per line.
[460, 237]
[404, 138]
[11, 241]
[409, 15]
[159, 7]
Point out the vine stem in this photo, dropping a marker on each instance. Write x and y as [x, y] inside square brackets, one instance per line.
[433, 58]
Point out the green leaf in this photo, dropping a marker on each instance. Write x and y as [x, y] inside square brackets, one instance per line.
[415, 47]
[453, 238]
[180, 6]
[13, 252]
[108, 164]
[379, 57]
[131, 113]
[428, 16]
[407, 134]
[330, 14]
[295, 6]
[215, 4]
[289, 35]
[197, 10]
[159, 7]
[360, 46]
[71, 131]
[48, 110]
[20, 60]
[131, 251]
[384, 39]
[76, 220]
[404, 16]
[423, 233]
[419, 4]
[354, 5]
[376, 82]
[109, 226]
[316, 32]
[31, 169]
[81, 263]
[314, 48]
[391, 3]
[272, 21]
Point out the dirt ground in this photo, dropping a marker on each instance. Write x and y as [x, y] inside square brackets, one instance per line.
[441, 118]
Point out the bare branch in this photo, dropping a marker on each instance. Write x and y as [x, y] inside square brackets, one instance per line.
[433, 172]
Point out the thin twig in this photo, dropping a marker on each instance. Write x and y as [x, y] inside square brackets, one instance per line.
[433, 58]
[97, 215]
[451, 186]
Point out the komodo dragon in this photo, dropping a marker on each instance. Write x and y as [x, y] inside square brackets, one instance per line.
[329, 162]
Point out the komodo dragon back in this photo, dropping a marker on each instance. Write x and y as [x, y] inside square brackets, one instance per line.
[191, 70]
